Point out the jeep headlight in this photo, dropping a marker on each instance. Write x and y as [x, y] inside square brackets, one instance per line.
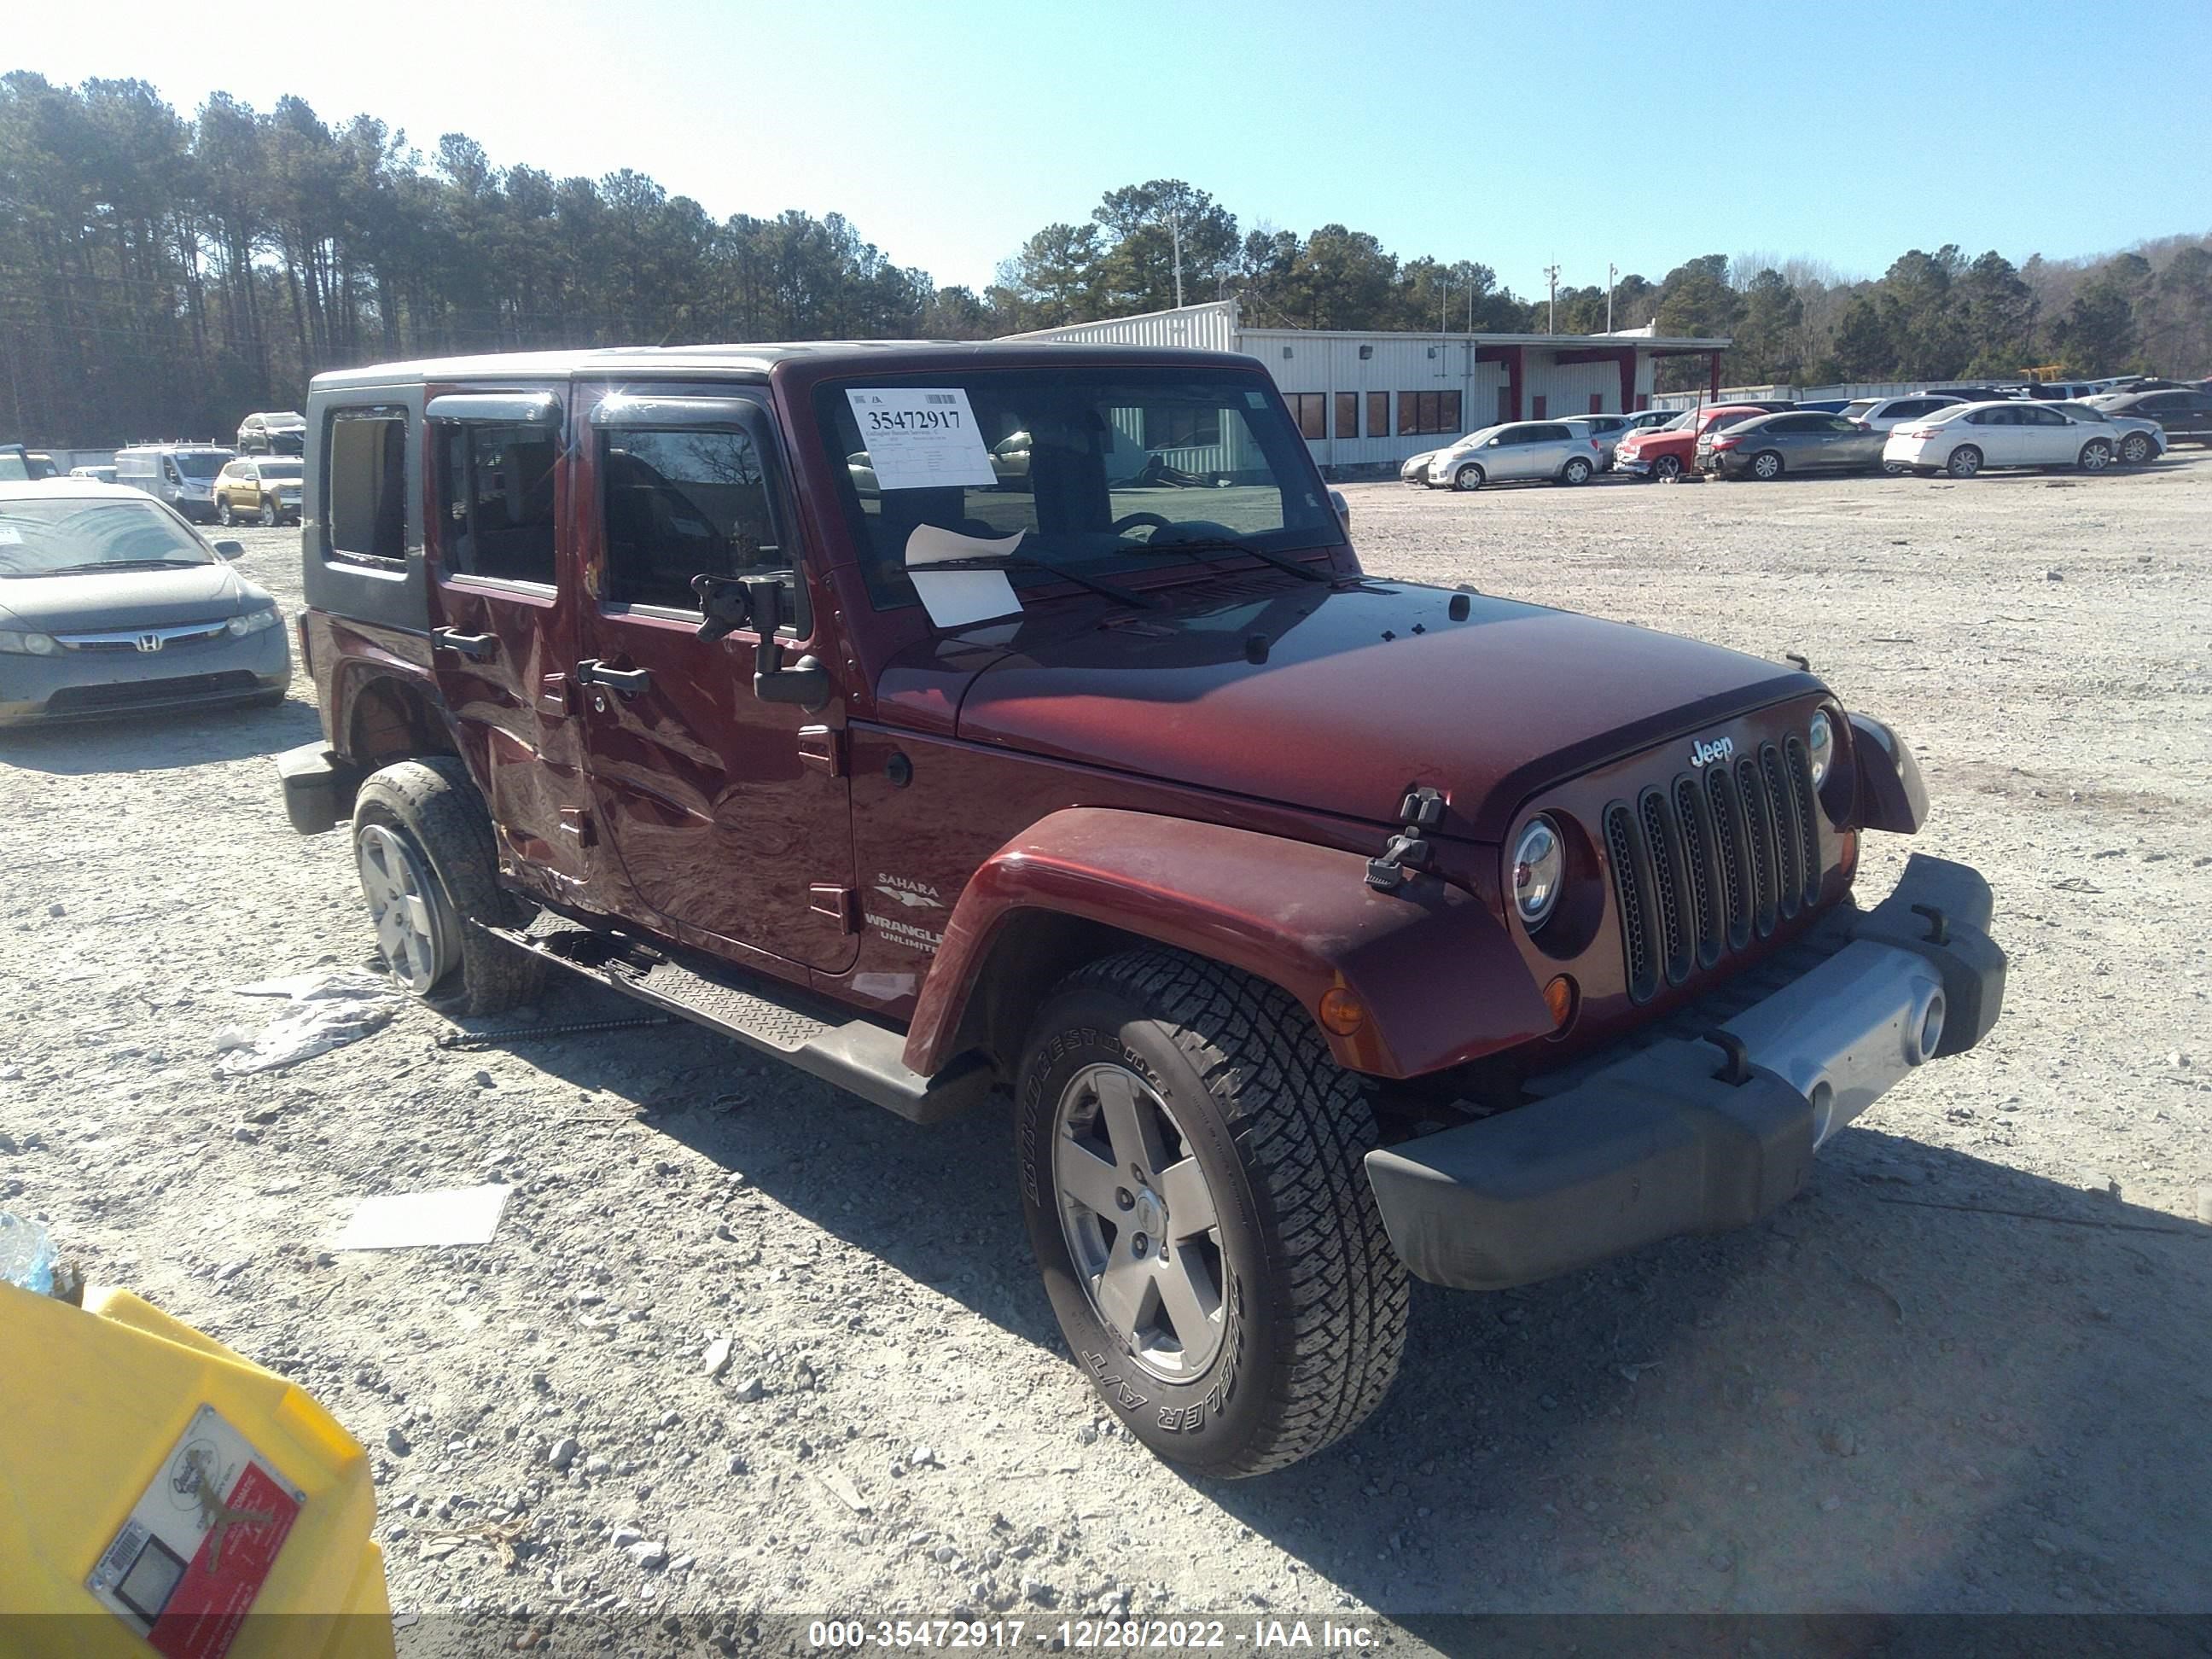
[254, 621]
[18, 643]
[1820, 746]
[1538, 862]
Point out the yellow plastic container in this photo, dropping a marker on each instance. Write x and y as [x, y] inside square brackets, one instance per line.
[148, 1474]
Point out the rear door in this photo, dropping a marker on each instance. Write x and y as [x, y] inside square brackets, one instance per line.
[501, 624]
[730, 812]
[1847, 446]
[1994, 433]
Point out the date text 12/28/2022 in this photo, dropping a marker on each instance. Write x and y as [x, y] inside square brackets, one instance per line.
[1092, 1635]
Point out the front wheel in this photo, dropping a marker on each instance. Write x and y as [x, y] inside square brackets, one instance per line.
[1191, 1162]
[223, 513]
[2096, 455]
[2134, 448]
[1576, 471]
[1467, 478]
[1667, 468]
[423, 844]
[1766, 466]
[1966, 461]
[268, 510]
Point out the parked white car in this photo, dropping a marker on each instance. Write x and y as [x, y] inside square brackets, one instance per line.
[1415, 470]
[1886, 414]
[1966, 438]
[2134, 439]
[1516, 450]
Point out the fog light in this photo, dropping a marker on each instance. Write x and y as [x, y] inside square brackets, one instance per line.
[1559, 998]
[1341, 1011]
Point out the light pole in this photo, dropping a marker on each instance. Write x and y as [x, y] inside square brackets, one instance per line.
[1612, 276]
[1552, 305]
[1175, 240]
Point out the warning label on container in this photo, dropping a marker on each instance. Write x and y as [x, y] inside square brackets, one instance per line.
[188, 1559]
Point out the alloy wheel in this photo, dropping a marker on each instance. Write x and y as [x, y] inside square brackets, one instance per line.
[1141, 1221]
[415, 927]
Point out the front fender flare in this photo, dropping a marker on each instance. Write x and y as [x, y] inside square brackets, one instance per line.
[1440, 980]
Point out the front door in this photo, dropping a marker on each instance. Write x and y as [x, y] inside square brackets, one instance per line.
[730, 812]
[500, 629]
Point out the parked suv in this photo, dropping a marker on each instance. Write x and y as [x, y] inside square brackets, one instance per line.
[1325, 929]
[266, 488]
[273, 432]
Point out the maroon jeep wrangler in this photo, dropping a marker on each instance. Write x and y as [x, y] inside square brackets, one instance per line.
[945, 718]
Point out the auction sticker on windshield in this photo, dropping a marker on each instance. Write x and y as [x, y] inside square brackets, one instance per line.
[200, 1542]
[922, 437]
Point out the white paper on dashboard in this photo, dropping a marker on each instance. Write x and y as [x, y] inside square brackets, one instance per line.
[922, 437]
[957, 597]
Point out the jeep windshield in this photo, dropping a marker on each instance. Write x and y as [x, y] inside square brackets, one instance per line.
[1097, 472]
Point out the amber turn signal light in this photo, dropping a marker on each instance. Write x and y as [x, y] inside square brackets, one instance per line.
[1341, 1011]
[1847, 852]
[1559, 998]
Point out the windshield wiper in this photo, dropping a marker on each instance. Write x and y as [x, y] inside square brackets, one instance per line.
[123, 564]
[1216, 544]
[1003, 561]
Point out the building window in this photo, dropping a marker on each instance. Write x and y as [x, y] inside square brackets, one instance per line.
[1347, 414]
[1311, 410]
[1536, 407]
[1378, 414]
[1424, 412]
[1174, 426]
[366, 486]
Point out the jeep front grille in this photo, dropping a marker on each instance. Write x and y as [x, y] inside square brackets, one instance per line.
[1701, 868]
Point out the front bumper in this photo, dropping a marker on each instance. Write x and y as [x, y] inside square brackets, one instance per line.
[98, 685]
[1694, 1134]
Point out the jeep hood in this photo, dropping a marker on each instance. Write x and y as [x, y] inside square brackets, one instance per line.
[1362, 693]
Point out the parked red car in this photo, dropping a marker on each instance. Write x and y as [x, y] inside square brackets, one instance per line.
[1668, 452]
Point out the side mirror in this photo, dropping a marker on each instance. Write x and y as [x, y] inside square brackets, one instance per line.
[723, 599]
[807, 682]
[231, 549]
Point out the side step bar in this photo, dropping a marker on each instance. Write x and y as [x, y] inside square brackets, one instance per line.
[858, 1055]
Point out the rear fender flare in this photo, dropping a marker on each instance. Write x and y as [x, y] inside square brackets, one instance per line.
[1440, 980]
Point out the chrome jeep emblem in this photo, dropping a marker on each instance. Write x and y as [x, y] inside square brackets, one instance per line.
[1713, 753]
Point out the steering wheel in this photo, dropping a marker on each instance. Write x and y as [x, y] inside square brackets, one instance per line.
[1129, 521]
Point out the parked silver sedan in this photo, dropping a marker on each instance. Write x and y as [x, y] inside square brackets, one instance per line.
[1515, 451]
[2135, 440]
[110, 603]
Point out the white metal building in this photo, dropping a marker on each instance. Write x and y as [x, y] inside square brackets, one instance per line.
[1366, 399]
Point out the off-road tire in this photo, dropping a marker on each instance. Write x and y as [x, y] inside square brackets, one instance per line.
[1575, 471]
[1467, 478]
[1964, 462]
[1313, 1300]
[431, 805]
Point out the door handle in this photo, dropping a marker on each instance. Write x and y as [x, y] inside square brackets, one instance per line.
[477, 647]
[627, 681]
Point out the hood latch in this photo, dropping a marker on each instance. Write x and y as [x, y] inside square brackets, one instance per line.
[1407, 851]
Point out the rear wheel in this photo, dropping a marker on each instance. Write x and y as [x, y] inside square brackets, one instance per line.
[1191, 1168]
[1576, 471]
[1467, 478]
[2135, 448]
[1966, 461]
[1667, 468]
[423, 844]
[1766, 466]
[2096, 455]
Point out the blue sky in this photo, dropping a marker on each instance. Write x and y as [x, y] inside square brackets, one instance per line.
[1641, 134]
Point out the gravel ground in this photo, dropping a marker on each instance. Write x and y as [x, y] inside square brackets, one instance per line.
[1968, 1370]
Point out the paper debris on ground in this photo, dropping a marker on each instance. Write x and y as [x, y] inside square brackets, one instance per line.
[456, 1215]
[327, 1009]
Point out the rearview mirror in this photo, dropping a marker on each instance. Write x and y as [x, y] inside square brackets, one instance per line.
[231, 549]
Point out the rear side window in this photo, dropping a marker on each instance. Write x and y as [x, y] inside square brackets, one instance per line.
[680, 504]
[365, 490]
[496, 500]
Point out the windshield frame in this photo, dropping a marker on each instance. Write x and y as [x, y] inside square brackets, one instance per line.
[1310, 525]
